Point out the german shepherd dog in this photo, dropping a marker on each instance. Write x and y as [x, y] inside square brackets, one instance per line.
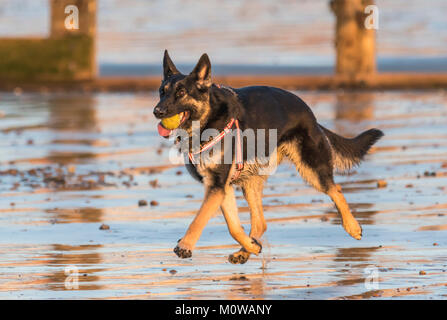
[314, 150]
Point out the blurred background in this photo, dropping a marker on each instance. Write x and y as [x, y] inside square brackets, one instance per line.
[256, 36]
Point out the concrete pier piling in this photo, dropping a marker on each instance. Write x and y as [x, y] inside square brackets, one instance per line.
[355, 42]
[68, 54]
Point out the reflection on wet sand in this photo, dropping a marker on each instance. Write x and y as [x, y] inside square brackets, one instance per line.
[355, 261]
[76, 215]
[68, 115]
[242, 287]
[73, 114]
[354, 107]
[54, 259]
[80, 257]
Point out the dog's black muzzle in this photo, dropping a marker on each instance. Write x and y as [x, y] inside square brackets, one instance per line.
[160, 111]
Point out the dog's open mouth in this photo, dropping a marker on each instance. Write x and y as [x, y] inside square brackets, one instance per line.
[167, 125]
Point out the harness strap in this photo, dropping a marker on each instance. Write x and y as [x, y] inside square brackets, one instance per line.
[226, 130]
[239, 161]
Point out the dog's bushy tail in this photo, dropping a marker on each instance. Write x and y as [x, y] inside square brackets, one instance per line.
[348, 153]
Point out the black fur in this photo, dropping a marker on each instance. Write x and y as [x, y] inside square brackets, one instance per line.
[356, 148]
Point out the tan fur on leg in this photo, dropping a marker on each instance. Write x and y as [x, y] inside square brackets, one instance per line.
[253, 194]
[230, 212]
[211, 203]
[350, 224]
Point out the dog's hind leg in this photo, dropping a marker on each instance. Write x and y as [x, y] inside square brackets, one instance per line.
[313, 159]
[230, 212]
[253, 194]
[349, 223]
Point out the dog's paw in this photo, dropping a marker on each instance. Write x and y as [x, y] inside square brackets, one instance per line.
[239, 257]
[257, 246]
[182, 252]
[254, 246]
[353, 228]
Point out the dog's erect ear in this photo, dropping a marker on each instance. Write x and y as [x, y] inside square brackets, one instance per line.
[169, 68]
[202, 71]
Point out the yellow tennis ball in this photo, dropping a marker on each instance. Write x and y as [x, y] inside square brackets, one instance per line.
[172, 122]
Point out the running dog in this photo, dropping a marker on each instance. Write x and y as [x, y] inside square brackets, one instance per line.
[314, 150]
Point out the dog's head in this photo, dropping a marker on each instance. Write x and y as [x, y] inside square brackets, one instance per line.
[183, 98]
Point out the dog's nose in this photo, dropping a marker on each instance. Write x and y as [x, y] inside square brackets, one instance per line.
[159, 112]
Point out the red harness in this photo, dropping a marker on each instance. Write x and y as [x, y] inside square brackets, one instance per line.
[226, 130]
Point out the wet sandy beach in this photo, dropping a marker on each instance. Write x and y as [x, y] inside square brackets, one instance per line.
[70, 163]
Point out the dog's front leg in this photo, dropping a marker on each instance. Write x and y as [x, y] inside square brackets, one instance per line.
[230, 212]
[212, 201]
[253, 194]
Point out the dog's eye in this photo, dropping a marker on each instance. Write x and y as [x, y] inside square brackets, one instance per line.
[181, 93]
